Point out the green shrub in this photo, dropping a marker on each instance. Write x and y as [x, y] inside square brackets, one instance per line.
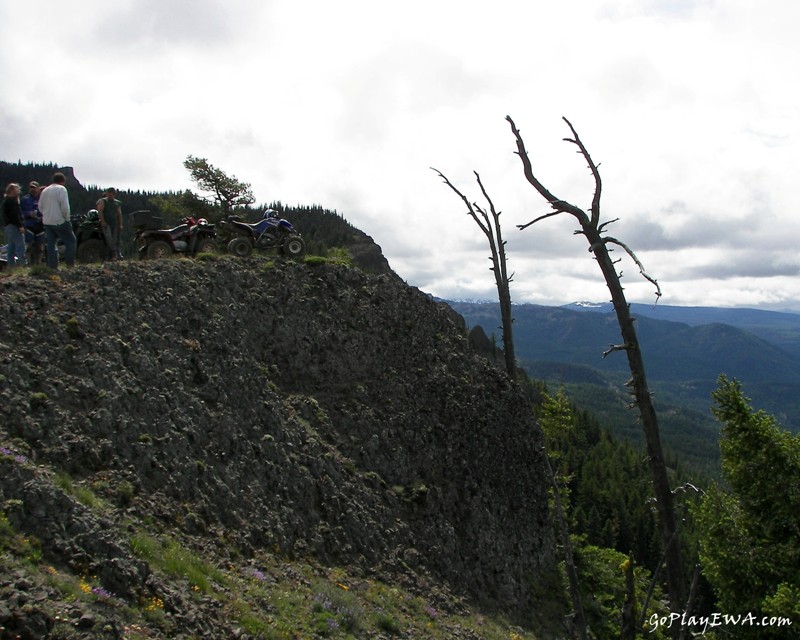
[87, 498]
[73, 327]
[37, 400]
[174, 560]
[340, 255]
[40, 271]
[125, 492]
[387, 623]
[64, 482]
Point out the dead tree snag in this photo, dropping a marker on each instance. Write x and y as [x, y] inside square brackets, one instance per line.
[489, 224]
[593, 230]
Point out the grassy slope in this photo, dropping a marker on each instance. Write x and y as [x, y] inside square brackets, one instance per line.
[268, 596]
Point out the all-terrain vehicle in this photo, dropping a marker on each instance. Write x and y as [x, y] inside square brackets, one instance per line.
[190, 237]
[92, 245]
[270, 232]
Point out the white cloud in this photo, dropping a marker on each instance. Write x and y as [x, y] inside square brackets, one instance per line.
[688, 106]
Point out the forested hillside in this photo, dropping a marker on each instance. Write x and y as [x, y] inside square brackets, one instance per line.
[565, 347]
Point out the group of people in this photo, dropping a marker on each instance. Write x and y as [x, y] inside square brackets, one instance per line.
[19, 224]
[43, 215]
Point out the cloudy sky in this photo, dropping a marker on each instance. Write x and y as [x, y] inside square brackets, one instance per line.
[691, 107]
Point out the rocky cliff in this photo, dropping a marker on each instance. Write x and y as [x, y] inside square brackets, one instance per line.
[252, 407]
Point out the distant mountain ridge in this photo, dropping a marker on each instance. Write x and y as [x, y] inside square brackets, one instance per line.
[685, 351]
[781, 328]
[694, 315]
[750, 346]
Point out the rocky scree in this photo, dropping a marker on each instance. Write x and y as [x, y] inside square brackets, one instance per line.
[309, 409]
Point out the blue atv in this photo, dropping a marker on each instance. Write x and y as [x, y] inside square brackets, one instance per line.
[270, 232]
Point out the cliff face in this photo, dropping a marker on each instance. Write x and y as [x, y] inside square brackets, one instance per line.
[309, 410]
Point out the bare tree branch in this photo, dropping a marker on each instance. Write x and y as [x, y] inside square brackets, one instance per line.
[598, 184]
[615, 347]
[547, 215]
[639, 264]
[470, 207]
[528, 169]
[602, 227]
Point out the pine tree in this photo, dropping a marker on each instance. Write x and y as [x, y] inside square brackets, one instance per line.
[750, 536]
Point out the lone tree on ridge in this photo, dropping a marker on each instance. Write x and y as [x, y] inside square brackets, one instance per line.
[229, 192]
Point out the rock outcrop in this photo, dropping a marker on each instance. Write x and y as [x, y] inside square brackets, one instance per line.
[312, 410]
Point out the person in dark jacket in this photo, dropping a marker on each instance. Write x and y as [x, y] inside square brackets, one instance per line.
[13, 227]
[32, 219]
[110, 210]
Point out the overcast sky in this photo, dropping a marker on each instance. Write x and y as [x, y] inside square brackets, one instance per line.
[691, 107]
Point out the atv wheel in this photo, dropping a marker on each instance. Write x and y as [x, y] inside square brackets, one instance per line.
[294, 247]
[240, 247]
[158, 249]
[92, 250]
[207, 245]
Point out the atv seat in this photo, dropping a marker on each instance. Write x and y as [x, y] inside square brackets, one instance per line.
[176, 232]
[238, 224]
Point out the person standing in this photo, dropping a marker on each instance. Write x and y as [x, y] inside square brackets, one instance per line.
[54, 205]
[12, 225]
[32, 220]
[110, 210]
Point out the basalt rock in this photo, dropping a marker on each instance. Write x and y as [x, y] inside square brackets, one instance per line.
[310, 409]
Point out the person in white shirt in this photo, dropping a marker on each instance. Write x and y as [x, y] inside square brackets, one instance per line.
[54, 207]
